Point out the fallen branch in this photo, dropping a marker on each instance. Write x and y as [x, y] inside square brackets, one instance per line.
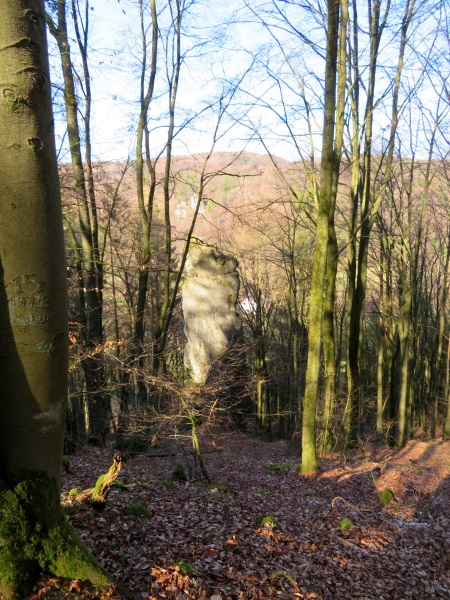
[351, 544]
[352, 506]
[361, 510]
[283, 574]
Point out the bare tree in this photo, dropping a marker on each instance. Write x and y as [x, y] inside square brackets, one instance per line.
[84, 234]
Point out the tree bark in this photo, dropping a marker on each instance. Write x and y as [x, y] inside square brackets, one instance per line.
[370, 207]
[91, 273]
[325, 224]
[33, 287]
[34, 534]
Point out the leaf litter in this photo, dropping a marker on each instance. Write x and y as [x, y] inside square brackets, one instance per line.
[204, 542]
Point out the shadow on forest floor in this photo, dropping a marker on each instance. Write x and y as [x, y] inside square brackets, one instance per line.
[331, 537]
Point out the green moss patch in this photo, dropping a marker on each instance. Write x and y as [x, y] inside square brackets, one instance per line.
[179, 474]
[66, 465]
[270, 521]
[35, 537]
[345, 524]
[278, 466]
[97, 495]
[138, 510]
[185, 567]
[387, 496]
[123, 486]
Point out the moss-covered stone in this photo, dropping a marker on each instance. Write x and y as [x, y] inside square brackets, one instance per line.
[66, 465]
[179, 474]
[35, 537]
[138, 510]
[278, 466]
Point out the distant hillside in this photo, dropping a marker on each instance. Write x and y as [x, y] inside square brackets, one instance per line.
[235, 184]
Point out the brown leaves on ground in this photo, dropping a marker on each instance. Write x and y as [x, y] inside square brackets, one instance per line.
[207, 543]
[58, 588]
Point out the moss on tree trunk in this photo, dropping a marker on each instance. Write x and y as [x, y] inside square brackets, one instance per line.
[35, 537]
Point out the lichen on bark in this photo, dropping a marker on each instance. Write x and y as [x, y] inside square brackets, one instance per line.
[35, 537]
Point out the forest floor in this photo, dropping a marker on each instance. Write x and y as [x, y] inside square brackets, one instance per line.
[212, 543]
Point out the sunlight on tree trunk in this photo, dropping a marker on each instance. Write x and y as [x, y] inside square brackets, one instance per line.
[325, 223]
[33, 315]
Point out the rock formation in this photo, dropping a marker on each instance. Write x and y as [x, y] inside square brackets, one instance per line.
[209, 296]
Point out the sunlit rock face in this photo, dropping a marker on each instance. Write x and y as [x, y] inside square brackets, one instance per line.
[209, 296]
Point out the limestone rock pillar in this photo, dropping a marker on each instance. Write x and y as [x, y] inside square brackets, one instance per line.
[209, 297]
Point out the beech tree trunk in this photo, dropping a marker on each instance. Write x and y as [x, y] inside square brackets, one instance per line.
[33, 286]
[33, 317]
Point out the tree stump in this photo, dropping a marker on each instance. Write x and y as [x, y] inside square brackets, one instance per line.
[98, 495]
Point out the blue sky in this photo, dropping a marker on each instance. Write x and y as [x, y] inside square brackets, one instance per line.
[115, 52]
